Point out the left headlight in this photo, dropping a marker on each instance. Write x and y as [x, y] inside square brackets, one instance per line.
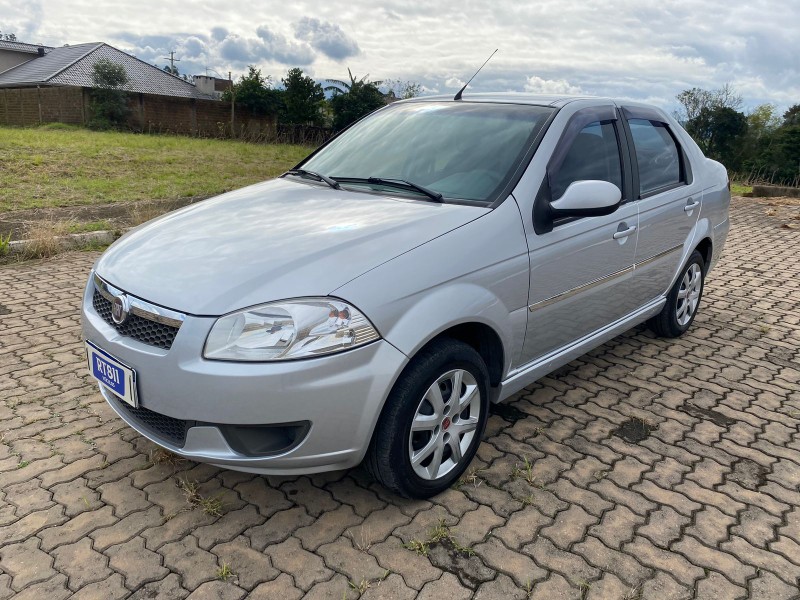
[289, 329]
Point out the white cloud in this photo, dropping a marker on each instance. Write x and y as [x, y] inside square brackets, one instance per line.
[537, 85]
[627, 48]
[326, 37]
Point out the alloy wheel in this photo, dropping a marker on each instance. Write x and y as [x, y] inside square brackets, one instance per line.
[689, 294]
[444, 424]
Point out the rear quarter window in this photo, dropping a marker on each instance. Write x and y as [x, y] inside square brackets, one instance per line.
[657, 155]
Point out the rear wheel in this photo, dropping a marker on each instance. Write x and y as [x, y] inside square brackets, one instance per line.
[682, 301]
[433, 421]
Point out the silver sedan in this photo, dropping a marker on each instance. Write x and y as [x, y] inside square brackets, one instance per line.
[369, 305]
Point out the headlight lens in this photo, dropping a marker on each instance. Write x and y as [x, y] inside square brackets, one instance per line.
[289, 329]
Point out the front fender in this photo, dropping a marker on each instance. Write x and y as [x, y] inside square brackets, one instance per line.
[448, 306]
[476, 273]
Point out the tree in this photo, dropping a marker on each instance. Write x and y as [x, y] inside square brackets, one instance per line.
[109, 100]
[693, 101]
[172, 70]
[342, 87]
[718, 130]
[402, 90]
[303, 98]
[759, 145]
[792, 116]
[8, 37]
[789, 144]
[353, 100]
[254, 92]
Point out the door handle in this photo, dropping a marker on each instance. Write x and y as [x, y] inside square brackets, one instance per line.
[691, 205]
[625, 232]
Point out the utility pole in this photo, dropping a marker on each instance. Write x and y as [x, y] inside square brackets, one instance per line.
[233, 99]
[172, 60]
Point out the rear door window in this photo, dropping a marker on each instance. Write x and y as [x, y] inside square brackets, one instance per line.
[657, 156]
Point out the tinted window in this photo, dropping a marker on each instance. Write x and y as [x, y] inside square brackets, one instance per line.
[462, 150]
[657, 155]
[594, 154]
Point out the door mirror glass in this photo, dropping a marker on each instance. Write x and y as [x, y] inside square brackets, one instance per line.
[586, 198]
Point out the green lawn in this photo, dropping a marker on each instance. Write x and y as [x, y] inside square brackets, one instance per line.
[64, 166]
[738, 189]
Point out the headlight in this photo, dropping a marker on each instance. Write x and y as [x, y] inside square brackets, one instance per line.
[289, 329]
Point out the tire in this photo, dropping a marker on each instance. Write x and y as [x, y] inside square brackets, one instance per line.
[681, 308]
[441, 432]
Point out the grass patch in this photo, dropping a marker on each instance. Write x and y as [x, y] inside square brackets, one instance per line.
[211, 506]
[90, 226]
[66, 166]
[524, 471]
[142, 212]
[44, 239]
[738, 189]
[439, 534]
[362, 586]
[469, 478]
[224, 572]
[159, 456]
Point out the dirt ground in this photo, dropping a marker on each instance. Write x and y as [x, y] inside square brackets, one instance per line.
[117, 215]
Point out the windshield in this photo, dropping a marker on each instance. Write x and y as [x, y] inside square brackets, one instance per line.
[465, 151]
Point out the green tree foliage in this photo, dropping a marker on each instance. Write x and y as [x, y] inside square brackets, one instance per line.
[354, 99]
[761, 145]
[402, 90]
[172, 70]
[302, 99]
[8, 37]
[693, 101]
[719, 131]
[254, 93]
[792, 116]
[109, 101]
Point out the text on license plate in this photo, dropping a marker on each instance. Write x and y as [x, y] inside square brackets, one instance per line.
[111, 373]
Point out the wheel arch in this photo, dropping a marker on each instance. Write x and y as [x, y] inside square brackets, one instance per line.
[706, 248]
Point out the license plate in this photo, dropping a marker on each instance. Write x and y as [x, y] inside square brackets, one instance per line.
[111, 373]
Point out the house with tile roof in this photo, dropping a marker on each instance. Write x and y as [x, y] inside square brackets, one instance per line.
[73, 66]
[13, 53]
[41, 84]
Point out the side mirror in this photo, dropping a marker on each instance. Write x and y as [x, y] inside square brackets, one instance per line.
[588, 198]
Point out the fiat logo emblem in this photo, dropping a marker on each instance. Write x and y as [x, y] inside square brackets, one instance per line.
[120, 308]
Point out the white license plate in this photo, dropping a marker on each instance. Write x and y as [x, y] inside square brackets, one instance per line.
[112, 374]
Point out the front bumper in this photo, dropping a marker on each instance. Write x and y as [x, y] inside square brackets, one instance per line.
[340, 396]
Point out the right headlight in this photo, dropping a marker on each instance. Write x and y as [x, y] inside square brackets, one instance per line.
[289, 329]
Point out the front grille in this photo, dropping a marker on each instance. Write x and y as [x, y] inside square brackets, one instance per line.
[136, 327]
[167, 428]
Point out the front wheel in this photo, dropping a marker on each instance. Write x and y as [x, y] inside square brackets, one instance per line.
[682, 301]
[433, 421]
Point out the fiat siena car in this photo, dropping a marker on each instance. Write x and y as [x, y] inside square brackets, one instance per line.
[369, 304]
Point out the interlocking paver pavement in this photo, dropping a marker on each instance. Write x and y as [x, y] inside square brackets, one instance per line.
[559, 503]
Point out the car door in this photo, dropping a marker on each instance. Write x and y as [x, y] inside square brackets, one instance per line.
[581, 267]
[669, 201]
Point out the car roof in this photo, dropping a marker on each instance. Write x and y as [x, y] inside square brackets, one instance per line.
[512, 97]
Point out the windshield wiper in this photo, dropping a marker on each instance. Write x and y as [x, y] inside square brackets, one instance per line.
[398, 183]
[314, 175]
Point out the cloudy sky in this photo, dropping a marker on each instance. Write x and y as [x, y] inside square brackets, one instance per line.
[642, 49]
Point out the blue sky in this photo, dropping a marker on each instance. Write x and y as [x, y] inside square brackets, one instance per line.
[643, 49]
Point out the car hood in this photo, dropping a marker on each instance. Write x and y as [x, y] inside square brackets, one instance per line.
[270, 241]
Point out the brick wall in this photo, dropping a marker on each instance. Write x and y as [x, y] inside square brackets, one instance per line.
[148, 112]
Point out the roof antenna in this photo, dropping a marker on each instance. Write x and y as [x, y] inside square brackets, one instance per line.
[461, 91]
